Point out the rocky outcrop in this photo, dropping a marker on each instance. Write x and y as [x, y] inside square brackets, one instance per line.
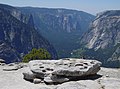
[104, 37]
[60, 26]
[28, 75]
[14, 66]
[59, 71]
[2, 61]
[18, 38]
[110, 79]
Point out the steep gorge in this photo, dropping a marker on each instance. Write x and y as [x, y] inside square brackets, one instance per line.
[62, 27]
[17, 37]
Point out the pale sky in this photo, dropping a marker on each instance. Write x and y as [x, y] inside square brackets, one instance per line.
[90, 6]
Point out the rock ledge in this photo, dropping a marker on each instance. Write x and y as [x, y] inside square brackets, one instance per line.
[59, 71]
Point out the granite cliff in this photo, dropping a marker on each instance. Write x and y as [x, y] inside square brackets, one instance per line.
[103, 38]
[18, 36]
[60, 26]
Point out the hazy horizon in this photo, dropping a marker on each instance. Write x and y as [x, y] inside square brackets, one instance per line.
[92, 7]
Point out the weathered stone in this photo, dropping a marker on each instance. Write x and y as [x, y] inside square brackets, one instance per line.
[55, 79]
[42, 67]
[2, 64]
[29, 76]
[59, 71]
[2, 61]
[36, 81]
[10, 68]
[77, 67]
[13, 66]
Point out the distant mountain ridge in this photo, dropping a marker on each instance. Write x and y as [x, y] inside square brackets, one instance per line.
[62, 27]
[18, 36]
[60, 15]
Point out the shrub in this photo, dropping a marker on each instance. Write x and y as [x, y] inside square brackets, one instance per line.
[36, 54]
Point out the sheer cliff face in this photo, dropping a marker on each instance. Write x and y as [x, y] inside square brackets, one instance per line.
[104, 31]
[104, 36]
[59, 19]
[60, 26]
[17, 37]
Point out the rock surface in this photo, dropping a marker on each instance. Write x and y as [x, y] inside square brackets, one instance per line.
[77, 67]
[13, 66]
[110, 83]
[36, 81]
[28, 75]
[72, 85]
[2, 61]
[55, 79]
[59, 71]
[14, 80]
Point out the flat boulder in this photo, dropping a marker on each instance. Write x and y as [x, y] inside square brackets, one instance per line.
[59, 71]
